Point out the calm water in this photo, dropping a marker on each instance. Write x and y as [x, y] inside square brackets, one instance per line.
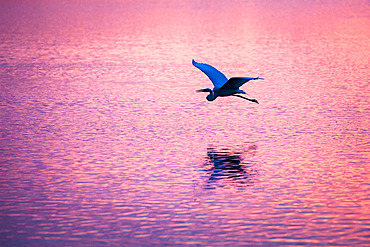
[103, 140]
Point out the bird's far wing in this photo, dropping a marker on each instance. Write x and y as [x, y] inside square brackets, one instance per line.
[236, 82]
[218, 79]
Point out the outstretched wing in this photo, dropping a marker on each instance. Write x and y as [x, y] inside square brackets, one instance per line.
[236, 82]
[218, 79]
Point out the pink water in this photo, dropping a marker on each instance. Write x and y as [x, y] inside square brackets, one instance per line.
[103, 140]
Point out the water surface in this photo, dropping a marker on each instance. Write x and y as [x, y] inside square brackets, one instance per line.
[104, 141]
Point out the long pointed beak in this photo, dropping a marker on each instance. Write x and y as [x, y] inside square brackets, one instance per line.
[203, 90]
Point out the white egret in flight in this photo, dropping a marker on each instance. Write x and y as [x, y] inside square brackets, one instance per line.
[222, 85]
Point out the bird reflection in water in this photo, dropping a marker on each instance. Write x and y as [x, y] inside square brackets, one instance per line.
[230, 166]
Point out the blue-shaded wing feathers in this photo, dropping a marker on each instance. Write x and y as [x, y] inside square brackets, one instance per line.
[236, 82]
[218, 79]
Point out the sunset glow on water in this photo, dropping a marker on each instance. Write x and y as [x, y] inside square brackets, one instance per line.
[104, 141]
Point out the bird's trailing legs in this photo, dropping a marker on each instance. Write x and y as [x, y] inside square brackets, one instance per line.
[253, 100]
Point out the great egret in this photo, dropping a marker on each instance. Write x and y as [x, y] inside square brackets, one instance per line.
[223, 86]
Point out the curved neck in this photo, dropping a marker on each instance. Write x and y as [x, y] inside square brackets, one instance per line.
[212, 96]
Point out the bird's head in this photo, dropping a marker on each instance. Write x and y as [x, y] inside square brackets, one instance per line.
[211, 96]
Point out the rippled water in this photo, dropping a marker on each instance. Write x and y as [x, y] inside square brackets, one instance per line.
[105, 142]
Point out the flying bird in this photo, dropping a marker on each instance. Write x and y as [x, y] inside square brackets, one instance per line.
[221, 85]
